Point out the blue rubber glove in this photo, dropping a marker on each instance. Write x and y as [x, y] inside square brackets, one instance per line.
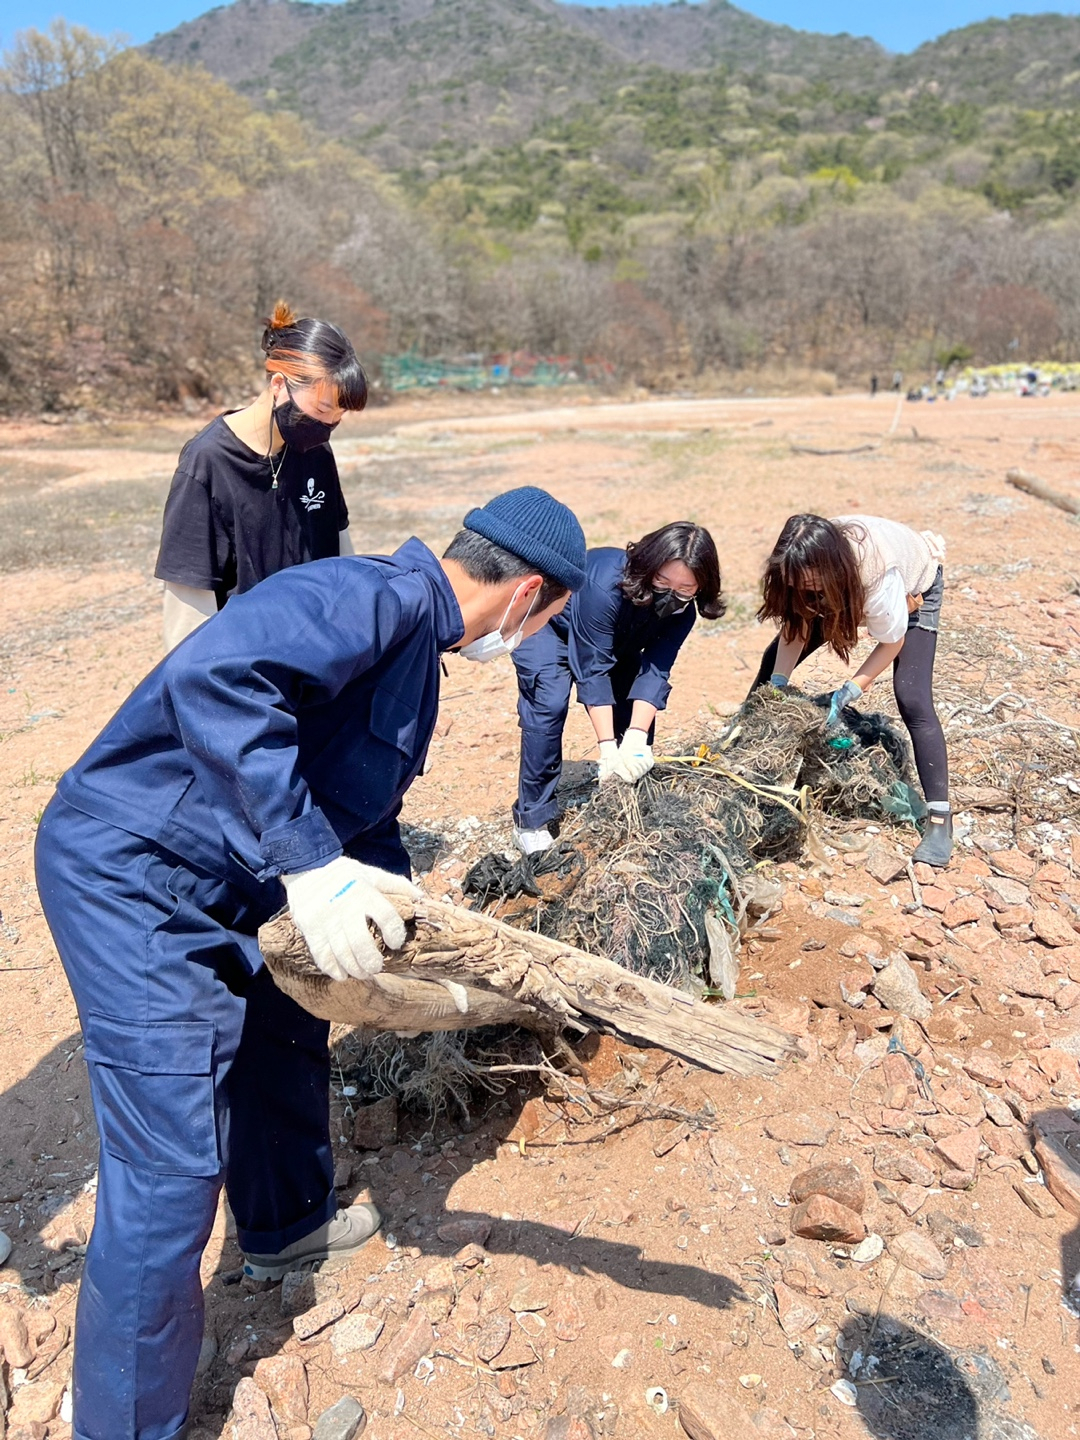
[848, 693]
[778, 681]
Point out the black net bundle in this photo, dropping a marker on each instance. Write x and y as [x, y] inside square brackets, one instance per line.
[638, 869]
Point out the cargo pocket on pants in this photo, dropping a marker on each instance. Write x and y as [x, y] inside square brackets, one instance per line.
[154, 1089]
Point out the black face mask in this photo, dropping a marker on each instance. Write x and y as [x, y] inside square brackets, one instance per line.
[666, 602]
[299, 430]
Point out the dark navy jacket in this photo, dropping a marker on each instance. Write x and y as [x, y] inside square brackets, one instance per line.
[287, 726]
[606, 632]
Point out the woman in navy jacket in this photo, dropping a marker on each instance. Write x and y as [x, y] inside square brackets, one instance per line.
[617, 641]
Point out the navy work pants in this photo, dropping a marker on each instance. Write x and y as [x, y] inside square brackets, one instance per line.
[202, 1074]
[543, 674]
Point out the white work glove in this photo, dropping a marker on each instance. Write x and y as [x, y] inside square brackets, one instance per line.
[332, 906]
[635, 757]
[609, 758]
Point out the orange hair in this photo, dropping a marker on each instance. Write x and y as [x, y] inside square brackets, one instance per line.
[313, 352]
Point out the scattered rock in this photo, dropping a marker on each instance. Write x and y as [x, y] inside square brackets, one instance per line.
[283, 1380]
[317, 1318]
[820, 1218]
[14, 1340]
[869, 1250]
[1052, 928]
[355, 1332]
[937, 897]
[964, 910]
[36, 1403]
[568, 1427]
[940, 1305]
[520, 1350]
[911, 1199]
[343, 1421]
[842, 1183]
[302, 1290]
[1014, 863]
[985, 1067]
[898, 989]
[843, 897]
[707, 1413]
[884, 865]
[854, 985]
[1037, 1200]
[474, 1231]
[800, 1272]
[436, 1304]
[470, 1256]
[566, 1316]
[893, 1164]
[439, 1275]
[1003, 894]
[251, 1417]
[945, 1029]
[809, 1128]
[5, 1248]
[1060, 1170]
[960, 1151]
[207, 1351]
[376, 1126]
[413, 1341]
[530, 1295]
[494, 1333]
[794, 1311]
[919, 1253]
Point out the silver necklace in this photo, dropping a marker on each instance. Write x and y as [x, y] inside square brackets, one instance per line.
[275, 473]
[270, 455]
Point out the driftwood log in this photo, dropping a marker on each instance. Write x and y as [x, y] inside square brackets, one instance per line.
[1032, 485]
[459, 968]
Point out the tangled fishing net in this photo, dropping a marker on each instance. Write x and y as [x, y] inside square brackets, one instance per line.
[662, 877]
[431, 1074]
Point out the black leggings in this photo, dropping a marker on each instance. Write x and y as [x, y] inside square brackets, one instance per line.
[913, 686]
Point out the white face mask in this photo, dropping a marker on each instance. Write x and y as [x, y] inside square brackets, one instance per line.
[493, 644]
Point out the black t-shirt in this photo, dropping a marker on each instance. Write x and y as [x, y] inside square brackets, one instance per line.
[226, 527]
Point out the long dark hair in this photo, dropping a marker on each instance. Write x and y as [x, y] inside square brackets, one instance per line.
[837, 598]
[313, 352]
[682, 540]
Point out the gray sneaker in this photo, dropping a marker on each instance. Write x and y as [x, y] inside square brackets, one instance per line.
[343, 1235]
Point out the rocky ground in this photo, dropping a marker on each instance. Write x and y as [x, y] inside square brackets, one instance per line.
[880, 1242]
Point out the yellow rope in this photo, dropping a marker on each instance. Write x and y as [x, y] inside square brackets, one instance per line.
[767, 792]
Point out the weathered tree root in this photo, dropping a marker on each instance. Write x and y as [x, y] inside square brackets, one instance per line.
[459, 969]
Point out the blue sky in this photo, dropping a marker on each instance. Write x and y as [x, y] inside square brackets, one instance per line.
[900, 26]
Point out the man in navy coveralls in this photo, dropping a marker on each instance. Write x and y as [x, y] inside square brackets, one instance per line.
[263, 762]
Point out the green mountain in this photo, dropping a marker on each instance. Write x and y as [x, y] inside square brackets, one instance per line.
[404, 75]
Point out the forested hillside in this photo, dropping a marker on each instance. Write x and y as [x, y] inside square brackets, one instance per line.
[680, 190]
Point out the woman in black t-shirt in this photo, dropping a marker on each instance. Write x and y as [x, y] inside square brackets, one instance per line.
[258, 490]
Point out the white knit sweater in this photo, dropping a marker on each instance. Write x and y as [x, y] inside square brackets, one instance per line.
[894, 562]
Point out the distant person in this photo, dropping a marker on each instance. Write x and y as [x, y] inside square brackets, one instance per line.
[897, 381]
[257, 490]
[617, 641]
[873, 385]
[825, 579]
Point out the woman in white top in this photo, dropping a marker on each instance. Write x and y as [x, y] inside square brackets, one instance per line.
[825, 579]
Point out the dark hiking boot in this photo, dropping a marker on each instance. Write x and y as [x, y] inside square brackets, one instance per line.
[935, 847]
[343, 1235]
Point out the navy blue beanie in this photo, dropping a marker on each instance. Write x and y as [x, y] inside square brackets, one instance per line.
[538, 529]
